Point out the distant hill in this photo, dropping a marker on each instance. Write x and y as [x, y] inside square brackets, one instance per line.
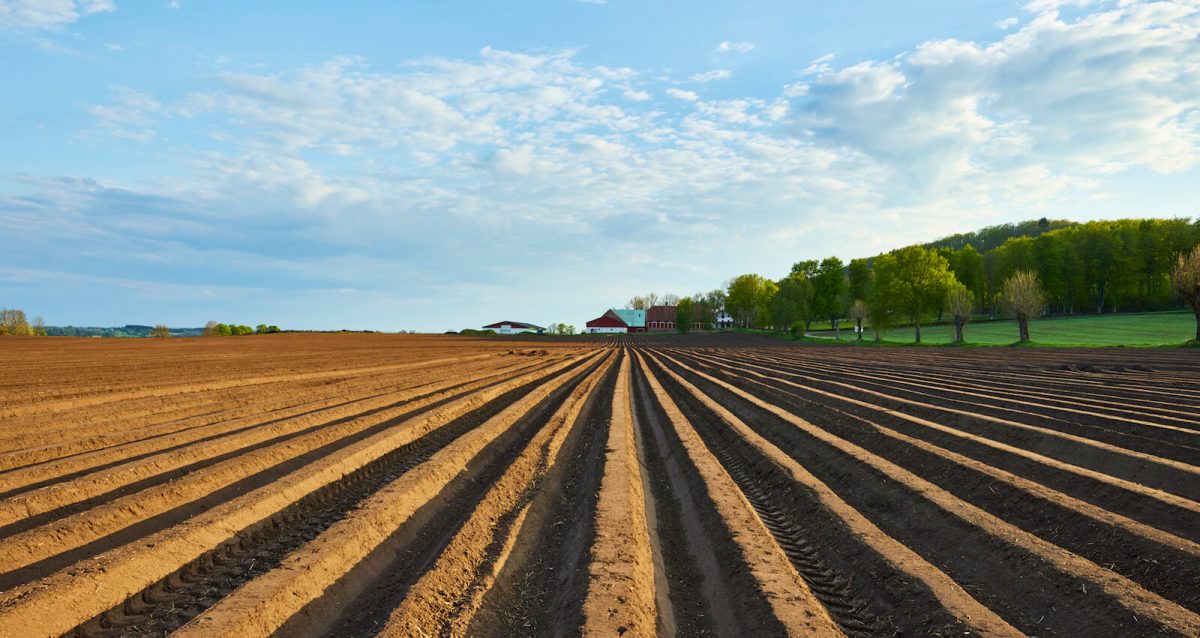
[991, 237]
[129, 331]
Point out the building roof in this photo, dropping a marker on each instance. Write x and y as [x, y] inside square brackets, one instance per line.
[607, 320]
[514, 324]
[632, 318]
[660, 313]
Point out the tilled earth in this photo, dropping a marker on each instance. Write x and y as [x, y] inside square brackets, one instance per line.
[362, 485]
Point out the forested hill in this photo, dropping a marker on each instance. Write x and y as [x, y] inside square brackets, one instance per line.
[991, 237]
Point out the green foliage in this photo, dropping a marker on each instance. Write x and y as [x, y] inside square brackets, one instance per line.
[912, 282]
[14, 323]
[685, 314]
[829, 290]
[471, 332]
[789, 303]
[990, 237]
[747, 299]
[860, 278]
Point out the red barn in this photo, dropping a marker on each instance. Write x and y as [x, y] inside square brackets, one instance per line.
[609, 322]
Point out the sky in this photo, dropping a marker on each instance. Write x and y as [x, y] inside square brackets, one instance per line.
[430, 165]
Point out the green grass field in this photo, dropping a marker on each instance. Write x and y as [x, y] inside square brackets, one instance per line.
[1144, 329]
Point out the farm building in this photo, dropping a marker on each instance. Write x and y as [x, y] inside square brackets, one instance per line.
[635, 319]
[660, 318]
[607, 323]
[616, 321]
[513, 327]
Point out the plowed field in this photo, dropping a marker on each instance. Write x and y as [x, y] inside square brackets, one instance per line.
[361, 485]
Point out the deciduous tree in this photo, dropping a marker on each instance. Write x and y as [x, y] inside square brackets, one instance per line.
[685, 314]
[913, 282]
[959, 303]
[1024, 299]
[160, 331]
[829, 289]
[858, 312]
[859, 275]
[1185, 279]
[748, 297]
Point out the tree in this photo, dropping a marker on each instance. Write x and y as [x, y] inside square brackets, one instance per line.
[829, 288]
[160, 331]
[787, 302]
[14, 322]
[638, 302]
[913, 282]
[959, 303]
[858, 312]
[804, 273]
[967, 267]
[39, 326]
[1185, 279]
[1024, 299]
[210, 329]
[260, 329]
[859, 274]
[670, 300]
[880, 316]
[685, 314]
[748, 297]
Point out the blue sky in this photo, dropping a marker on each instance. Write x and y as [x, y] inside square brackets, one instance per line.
[440, 165]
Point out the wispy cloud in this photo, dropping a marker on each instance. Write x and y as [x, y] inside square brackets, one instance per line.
[344, 175]
[680, 94]
[710, 76]
[48, 14]
[736, 47]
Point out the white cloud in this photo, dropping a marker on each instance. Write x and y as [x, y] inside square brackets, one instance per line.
[1007, 23]
[738, 47]
[114, 47]
[709, 76]
[680, 94]
[173, 4]
[130, 116]
[48, 14]
[381, 173]
[637, 96]
[1043, 6]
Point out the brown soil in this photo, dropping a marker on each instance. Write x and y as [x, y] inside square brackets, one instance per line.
[352, 485]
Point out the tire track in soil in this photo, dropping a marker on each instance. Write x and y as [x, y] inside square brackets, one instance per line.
[1160, 568]
[450, 594]
[863, 594]
[186, 593]
[414, 548]
[541, 588]
[730, 596]
[49, 516]
[1132, 500]
[1018, 580]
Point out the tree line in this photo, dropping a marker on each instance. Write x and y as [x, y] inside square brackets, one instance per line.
[1039, 267]
[214, 329]
[13, 322]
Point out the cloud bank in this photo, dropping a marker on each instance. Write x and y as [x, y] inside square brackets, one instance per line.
[479, 184]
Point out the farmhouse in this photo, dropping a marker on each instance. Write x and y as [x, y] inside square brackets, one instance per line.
[661, 318]
[514, 327]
